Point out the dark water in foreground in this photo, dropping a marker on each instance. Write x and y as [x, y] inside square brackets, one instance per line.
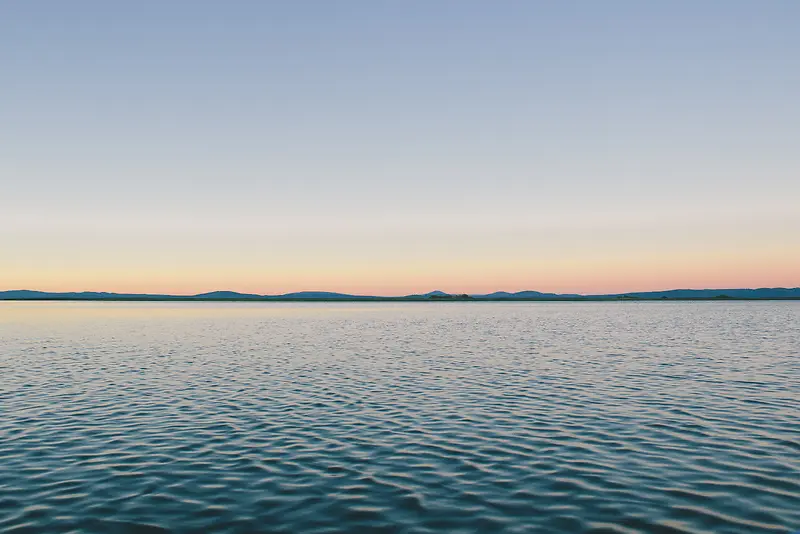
[441, 417]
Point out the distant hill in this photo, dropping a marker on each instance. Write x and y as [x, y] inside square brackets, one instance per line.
[320, 295]
[21, 294]
[684, 294]
[226, 295]
[524, 295]
[760, 293]
[422, 296]
[678, 294]
[24, 294]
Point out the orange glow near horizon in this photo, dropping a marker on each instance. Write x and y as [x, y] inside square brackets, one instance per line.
[590, 276]
[582, 259]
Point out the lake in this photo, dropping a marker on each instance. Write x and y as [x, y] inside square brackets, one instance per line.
[605, 417]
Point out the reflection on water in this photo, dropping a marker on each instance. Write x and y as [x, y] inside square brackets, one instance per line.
[432, 417]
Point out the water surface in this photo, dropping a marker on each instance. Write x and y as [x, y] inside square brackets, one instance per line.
[400, 417]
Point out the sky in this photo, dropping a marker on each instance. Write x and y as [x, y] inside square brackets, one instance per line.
[389, 147]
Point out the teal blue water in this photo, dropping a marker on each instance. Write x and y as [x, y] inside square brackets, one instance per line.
[400, 418]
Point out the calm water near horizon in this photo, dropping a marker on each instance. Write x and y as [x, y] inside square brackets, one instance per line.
[648, 417]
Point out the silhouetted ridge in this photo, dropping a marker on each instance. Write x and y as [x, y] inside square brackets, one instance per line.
[227, 295]
[759, 293]
[319, 295]
[525, 295]
[681, 294]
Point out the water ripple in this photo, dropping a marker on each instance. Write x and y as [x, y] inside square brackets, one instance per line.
[564, 417]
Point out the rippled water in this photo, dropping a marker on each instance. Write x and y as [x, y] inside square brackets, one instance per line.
[431, 417]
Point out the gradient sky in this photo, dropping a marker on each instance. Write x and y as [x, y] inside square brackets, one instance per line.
[393, 147]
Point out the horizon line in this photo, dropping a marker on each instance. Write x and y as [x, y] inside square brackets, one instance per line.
[414, 294]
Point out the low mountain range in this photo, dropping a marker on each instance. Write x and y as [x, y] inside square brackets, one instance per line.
[675, 294]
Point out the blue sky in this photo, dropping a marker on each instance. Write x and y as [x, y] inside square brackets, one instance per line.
[399, 146]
